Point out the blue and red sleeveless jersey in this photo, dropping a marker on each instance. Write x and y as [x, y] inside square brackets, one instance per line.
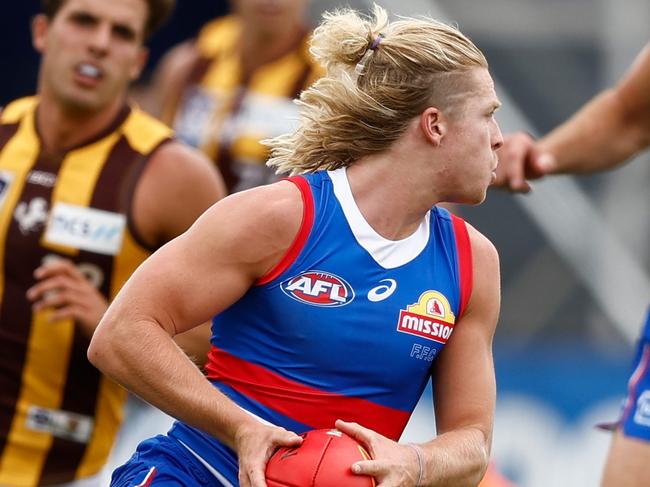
[347, 326]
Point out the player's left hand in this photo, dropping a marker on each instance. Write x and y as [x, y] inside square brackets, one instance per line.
[520, 159]
[393, 465]
[61, 286]
[254, 444]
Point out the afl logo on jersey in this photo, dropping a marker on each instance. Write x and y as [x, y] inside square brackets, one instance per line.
[318, 288]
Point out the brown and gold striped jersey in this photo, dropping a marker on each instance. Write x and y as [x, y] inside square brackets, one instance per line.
[226, 112]
[58, 414]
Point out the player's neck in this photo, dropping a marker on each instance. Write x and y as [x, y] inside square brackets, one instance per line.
[61, 129]
[378, 185]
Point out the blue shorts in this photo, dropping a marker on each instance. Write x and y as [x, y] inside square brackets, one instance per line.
[635, 420]
[163, 462]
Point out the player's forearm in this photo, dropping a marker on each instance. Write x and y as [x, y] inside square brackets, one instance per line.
[142, 357]
[456, 459]
[602, 135]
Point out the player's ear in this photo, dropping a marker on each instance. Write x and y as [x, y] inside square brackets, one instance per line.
[433, 125]
[140, 63]
[40, 24]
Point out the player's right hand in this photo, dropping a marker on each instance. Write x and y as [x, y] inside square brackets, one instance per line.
[520, 160]
[62, 287]
[255, 443]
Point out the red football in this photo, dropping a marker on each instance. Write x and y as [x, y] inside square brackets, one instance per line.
[324, 459]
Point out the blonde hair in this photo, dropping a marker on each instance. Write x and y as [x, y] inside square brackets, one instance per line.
[379, 75]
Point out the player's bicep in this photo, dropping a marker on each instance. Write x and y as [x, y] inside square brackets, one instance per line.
[209, 267]
[189, 279]
[464, 375]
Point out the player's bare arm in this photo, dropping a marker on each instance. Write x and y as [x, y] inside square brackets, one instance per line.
[627, 462]
[184, 284]
[609, 130]
[465, 394]
[465, 390]
[178, 185]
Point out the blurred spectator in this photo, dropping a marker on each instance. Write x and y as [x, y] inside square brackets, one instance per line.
[233, 86]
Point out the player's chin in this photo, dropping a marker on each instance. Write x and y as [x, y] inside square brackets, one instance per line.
[84, 102]
[475, 198]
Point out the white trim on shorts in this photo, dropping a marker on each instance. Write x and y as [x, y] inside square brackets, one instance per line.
[210, 468]
[148, 477]
[218, 475]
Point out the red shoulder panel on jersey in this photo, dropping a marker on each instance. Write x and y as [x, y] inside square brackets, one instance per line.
[464, 251]
[303, 233]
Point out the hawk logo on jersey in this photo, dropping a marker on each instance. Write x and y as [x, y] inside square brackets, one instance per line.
[31, 216]
[6, 178]
[431, 318]
[318, 288]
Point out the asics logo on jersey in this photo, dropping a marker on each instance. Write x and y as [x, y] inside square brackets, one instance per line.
[382, 291]
[318, 288]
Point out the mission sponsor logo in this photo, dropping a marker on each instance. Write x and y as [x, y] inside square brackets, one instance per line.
[318, 288]
[431, 318]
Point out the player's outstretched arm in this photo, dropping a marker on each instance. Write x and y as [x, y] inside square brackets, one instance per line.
[609, 129]
[604, 133]
[184, 284]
